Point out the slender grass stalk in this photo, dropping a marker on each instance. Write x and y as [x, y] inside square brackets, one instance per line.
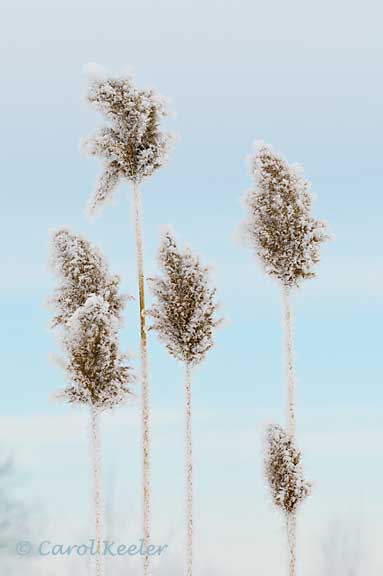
[286, 239]
[184, 316]
[289, 360]
[189, 469]
[291, 527]
[95, 453]
[291, 517]
[145, 412]
[88, 309]
[133, 147]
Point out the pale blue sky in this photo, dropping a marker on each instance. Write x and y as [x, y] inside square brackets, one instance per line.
[304, 76]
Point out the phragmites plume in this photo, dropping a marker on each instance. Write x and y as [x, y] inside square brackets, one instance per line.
[184, 314]
[88, 307]
[82, 271]
[283, 470]
[132, 144]
[280, 226]
[95, 366]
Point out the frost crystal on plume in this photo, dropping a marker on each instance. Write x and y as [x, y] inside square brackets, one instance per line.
[82, 271]
[283, 470]
[280, 226]
[184, 315]
[95, 366]
[132, 144]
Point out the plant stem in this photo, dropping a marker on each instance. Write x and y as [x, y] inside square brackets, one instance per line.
[290, 409]
[144, 376]
[289, 360]
[189, 471]
[291, 522]
[97, 499]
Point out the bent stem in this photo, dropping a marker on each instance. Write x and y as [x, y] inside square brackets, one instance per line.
[96, 474]
[189, 471]
[144, 377]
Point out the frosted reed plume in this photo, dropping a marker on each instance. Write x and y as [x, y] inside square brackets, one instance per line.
[82, 271]
[286, 239]
[284, 235]
[285, 478]
[279, 226]
[132, 146]
[184, 318]
[98, 374]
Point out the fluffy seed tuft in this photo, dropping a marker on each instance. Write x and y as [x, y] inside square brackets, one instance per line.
[279, 226]
[184, 312]
[132, 144]
[283, 470]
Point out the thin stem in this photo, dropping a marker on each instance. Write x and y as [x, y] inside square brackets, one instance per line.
[144, 377]
[96, 474]
[289, 360]
[189, 471]
[291, 521]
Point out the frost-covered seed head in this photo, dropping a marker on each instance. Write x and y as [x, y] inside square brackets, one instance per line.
[132, 144]
[184, 312]
[279, 226]
[96, 368]
[283, 470]
[82, 271]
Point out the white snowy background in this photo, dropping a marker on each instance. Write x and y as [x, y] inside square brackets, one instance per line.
[303, 75]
